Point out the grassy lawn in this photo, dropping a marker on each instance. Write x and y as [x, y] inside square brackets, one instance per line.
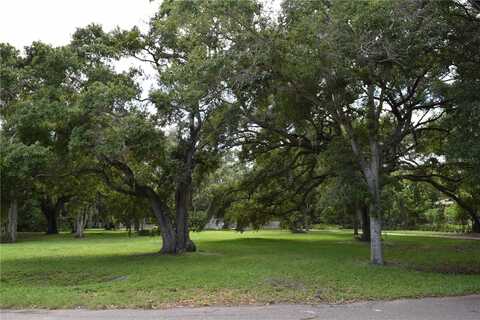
[110, 270]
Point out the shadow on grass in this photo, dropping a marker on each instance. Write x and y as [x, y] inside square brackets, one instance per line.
[23, 237]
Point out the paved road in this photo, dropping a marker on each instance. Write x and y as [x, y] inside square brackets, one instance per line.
[462, 308]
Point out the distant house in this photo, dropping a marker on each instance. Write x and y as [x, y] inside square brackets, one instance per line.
[444, 202]
[217, 224]
[214, 224]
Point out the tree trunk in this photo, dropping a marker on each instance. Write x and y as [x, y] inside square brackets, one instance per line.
[51, 222]
[80, 222]
[371, 169]
[182, 199]
[11, 231]
[51, 210]
[183, 195]
[473, 215]
[136, 224]
[373, 181]
[128, 226]
[376, 250]
[166, 229]
[365, 223]
[175, 236]
[48, 209]
[356, 216]
[475, 224]
[79, 225]
[374, 186]
[404, 213]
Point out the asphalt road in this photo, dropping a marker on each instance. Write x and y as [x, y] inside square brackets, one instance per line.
[453, 308]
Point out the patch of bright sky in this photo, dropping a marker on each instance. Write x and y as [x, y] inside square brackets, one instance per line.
[54, 21]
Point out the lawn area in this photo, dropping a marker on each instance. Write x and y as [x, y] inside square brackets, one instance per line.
[111, 270]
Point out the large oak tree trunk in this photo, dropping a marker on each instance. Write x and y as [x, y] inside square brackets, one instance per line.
[175, 235]
[182, 200]
[166, 229]
[183, 194]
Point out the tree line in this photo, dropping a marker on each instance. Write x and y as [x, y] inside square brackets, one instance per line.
[349, 106]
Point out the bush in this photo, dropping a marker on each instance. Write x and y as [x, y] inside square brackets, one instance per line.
[198, 220]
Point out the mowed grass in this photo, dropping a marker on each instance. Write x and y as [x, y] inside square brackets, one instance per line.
[111, 270]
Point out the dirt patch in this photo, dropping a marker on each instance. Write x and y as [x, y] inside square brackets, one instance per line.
[285, 283]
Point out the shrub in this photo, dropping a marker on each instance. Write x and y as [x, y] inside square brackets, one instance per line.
[198, 220]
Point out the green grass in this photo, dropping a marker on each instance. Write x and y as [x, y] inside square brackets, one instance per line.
[110, 270]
